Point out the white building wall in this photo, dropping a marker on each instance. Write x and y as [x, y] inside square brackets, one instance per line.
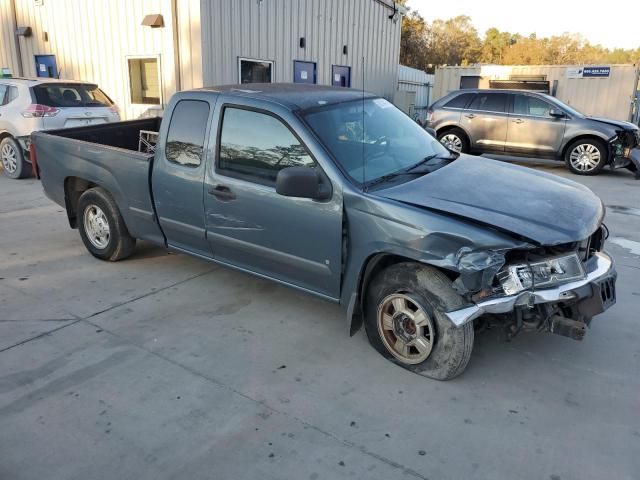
[271, 30]
[8, 52]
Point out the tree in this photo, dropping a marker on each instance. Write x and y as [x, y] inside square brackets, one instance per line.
[413, 42]
[456, 42]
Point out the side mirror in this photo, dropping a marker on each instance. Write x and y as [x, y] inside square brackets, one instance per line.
[431, 132]
[301, 182]
[555, 113]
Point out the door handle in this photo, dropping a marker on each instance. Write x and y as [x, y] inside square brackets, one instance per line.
[221, 192]
[471, 115]
[518, 120]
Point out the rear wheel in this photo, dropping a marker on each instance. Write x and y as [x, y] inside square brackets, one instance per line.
[13, 162]
[102, 228]
[454, 139]
[405, 321]
[586, 157]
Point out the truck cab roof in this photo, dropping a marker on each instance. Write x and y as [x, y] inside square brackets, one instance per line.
[294, 96]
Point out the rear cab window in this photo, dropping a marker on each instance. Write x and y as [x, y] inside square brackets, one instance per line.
[187, 130]
[489, 102]
[61, 95]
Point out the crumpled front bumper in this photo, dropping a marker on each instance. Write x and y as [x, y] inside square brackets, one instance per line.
[601, 273]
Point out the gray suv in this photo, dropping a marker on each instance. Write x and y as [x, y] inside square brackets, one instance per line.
[514, 122]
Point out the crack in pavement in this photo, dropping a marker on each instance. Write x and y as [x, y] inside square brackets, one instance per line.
[77, 319]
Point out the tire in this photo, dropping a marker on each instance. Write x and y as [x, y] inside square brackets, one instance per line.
[102, 228]
[581, 156]
[449, 347]
[454, 139]
[13, 162]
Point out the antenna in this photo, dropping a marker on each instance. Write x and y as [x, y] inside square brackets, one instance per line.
[364, 163]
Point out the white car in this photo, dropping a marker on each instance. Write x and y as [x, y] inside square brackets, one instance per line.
[28, 105]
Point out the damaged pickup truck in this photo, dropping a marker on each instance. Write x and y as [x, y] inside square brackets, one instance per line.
[339, 194]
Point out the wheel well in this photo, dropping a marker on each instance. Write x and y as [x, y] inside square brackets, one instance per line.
[584, 137]
[375, 264]
[448, 128]
[4, 135]
[74, 187]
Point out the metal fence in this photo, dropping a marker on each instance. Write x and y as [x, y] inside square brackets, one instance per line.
[418, 81]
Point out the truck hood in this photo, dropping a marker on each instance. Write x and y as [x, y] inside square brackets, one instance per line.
[537, 206]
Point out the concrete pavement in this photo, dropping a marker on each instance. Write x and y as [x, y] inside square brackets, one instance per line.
[165, 366]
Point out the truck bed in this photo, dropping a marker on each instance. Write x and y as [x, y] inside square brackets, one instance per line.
[103, 155]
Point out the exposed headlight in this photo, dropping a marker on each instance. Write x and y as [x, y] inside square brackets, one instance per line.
[544, 274]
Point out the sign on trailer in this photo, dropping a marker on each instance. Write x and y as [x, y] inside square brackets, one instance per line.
[588, 72]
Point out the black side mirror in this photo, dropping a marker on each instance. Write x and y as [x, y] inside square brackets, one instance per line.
[555, 113]
[301, 182]
[431, 132]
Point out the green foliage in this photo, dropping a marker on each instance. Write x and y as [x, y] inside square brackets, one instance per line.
[456, 42]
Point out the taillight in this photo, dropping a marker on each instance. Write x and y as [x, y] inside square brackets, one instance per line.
[34, 160]
[429, 115]
[35, 110]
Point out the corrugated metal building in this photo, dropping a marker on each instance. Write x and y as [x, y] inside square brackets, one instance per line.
[192, 43]
[610, 92]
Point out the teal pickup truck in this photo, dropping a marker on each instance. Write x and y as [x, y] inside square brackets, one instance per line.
[338, 193]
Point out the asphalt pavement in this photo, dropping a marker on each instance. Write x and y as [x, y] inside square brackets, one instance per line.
[165, 366]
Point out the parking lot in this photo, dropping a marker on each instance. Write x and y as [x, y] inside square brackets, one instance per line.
[168, 366]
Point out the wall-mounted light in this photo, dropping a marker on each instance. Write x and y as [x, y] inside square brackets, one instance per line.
[303, 43]
[153, 21]
[344, 49]
[45, 37]
[23, 31]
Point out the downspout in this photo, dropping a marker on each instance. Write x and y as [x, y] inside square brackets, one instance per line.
[12, 5]
[176, 44]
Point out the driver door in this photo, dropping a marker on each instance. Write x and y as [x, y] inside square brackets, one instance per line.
[297, 241]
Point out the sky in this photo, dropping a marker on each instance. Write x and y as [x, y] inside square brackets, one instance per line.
[611, 24]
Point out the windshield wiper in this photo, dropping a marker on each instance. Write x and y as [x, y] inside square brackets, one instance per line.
[428, 159]
[410, 170]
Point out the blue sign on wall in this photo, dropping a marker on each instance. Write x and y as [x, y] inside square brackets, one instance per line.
[596, 72]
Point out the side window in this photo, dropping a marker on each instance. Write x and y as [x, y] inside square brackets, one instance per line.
[3, 94]
[526, 105]
[185, 139]
[256, 146]
[459, 101]
[489, 102]
[12, 94]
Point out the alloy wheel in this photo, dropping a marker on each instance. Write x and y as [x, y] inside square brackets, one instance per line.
[452, 142]
[9, 158]
[585, 157]
[96, 226]
[405, 328]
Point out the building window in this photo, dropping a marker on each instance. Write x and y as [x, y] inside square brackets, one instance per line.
[256, 146]
[255, 71]
[185, 139]
[144, 77]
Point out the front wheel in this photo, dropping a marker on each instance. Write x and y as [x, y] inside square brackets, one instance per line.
[13, 162]
[405, 321]
[102, 227]
[586, 157]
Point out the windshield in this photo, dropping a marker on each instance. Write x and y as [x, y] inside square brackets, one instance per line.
[62, 95]
[371, 138]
